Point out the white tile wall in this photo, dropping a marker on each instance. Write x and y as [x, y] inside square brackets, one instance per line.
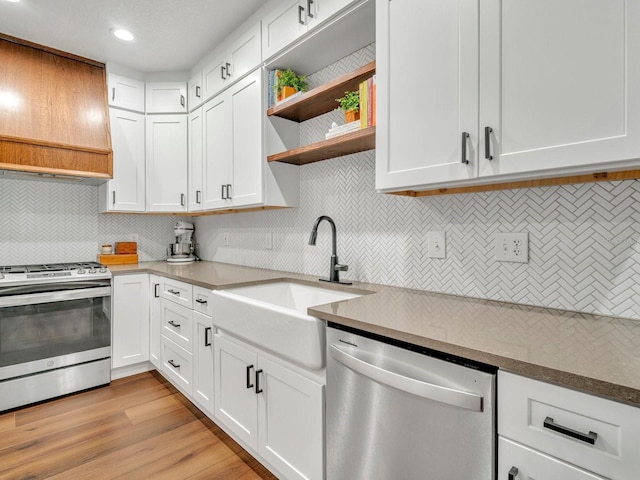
[584, 239]
[59, 222]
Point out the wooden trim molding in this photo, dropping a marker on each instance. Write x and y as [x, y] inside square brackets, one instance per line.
[202, 214]
[44, 48]
[542, 182]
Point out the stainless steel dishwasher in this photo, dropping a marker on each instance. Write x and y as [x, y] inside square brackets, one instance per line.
[396, 413]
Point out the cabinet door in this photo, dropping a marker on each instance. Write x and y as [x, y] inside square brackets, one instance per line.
[422, 119]
[236, 403]
[166, 161]
[555, 83]
[130, 322]
[177, 324]
[126, 190]
[203, 361]
[532, 464]
[282, 25]
[177, 365]
[196, 93]
[246, 120]
[215, 76]
[291, 422]
[218, 151]
[155, 321]
[126, 93]
[196, 155]
[320, 10]
[166, 97]
[244, 53]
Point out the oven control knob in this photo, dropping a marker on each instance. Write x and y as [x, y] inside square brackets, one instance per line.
[103, 270]
[81, 271]
[92, 270]
[1, 276]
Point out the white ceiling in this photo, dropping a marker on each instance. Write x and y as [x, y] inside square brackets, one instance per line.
[170, 34]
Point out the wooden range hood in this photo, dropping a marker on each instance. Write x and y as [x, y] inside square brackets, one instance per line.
[54, 116]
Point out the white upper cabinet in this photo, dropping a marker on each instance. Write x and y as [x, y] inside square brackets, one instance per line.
[126, 192]
[166, 97]
[542, 89]
[196, 94]
[234, 61]
[422, 126]
[166, 162]
[556, 84]
[126, 93]
[218, 151]
[292, 19]
[196, 155]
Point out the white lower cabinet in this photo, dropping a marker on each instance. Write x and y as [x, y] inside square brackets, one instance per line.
[271, 408]
[177, 365]
[130, 320]
[203, 361]
[551, 432]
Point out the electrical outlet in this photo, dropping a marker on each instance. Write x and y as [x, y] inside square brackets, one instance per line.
[225, 239]
[268, 241]
[436, 245]
[512, 247]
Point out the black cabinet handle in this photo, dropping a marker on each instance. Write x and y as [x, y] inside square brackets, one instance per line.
[182, 199]
[300, 10]
[113, 93]
[174, 324]
[174, 292]
[228, 191]
[222, 76]
[487, 143]
[173, 364]
[224, 196]
[207, 337]
[182, 100]
[589, 438]
[114, 197]
[258, 389]
[156, 293]
[198, 194]
[227, 69]
[463, 148]
[201, 301]
[513, 473]
[198, 91]
[309, 3]
[249, 384]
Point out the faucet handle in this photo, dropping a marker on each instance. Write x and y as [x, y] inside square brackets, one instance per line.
[341, 268]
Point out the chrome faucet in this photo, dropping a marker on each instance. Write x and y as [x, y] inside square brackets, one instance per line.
[336, 268]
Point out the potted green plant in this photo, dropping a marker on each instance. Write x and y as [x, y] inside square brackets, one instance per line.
[288, 83]
[350, 103]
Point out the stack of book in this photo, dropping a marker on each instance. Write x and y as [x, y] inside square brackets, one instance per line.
[368, 103]
[337, 130]
[272, 93]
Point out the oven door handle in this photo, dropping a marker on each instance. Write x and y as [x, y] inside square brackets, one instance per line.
[50, 297]
[439, 393]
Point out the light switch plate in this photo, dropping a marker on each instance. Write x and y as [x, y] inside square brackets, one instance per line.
[436, 245]
[225, 239]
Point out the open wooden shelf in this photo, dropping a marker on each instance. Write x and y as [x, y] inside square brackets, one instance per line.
[322, 99]
[352, 142]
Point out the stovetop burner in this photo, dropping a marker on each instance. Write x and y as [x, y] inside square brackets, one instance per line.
[59, 267]
[52, 271]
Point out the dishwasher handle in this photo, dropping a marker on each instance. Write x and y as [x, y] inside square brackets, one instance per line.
[439, 393]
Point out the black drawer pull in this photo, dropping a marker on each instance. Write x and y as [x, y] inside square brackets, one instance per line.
[207, 336]
[174, 292]
[258, 389]
[463, 147]
[487, 143]
[589, 438]
[201, 301]
[249, 384]
[173, 364]
[174, 324]
[513, 473]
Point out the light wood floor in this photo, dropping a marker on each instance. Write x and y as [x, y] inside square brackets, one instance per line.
[140, 427]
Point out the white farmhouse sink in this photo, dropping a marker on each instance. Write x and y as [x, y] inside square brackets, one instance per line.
[274, 316]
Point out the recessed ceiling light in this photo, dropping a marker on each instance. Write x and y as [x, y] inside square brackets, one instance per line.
[14, 1]
[122, 34]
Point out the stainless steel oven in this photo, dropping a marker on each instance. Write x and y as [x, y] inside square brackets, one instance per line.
[55, 334]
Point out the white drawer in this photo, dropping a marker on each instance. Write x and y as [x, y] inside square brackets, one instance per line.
[177, 291]
[177, 365]
[177, 324]
[525, 405]
[201, 301]
[531, 464]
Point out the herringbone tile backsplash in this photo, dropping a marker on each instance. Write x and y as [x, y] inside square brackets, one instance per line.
[47, 222]
[584, 250]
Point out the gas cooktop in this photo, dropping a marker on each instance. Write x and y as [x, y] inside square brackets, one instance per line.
[50, 272]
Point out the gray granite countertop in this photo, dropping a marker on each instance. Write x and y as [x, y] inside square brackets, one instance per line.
[596, 354]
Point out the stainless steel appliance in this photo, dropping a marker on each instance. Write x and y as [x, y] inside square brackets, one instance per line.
[181, 251]
[55, 330]
[394, 412]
